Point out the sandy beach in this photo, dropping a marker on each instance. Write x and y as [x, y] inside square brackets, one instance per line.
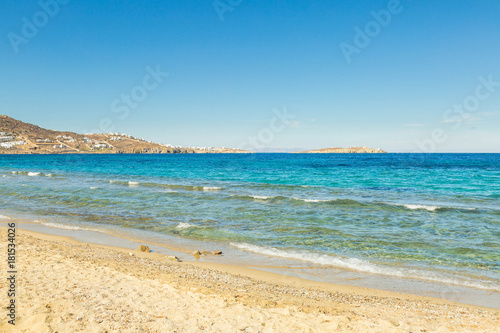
[67, 286]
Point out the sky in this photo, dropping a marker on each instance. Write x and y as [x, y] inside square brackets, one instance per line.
[404, 76]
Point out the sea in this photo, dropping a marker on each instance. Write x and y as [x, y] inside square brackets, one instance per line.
[428, 223]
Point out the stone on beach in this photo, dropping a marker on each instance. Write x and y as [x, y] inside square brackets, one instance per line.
[143, 248]
[198, 253]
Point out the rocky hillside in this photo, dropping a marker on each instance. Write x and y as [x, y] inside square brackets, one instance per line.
[17, 137]
[359, 150]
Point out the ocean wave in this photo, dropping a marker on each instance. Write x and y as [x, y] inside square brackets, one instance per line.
[31, 173]
[94, 187]
[352, 203]
[269, 186]
[297, 201]
[255, 197]
[429, 208]
[211, 188]
[432, 208]
[26, 173]
[184, 225]
[64, 226]
[323, 259]
[183, 187]
[364, 266]
[125, 183]
[170, 191]
[165, 186]
[312, 200]
[4, 217]
[261, 197]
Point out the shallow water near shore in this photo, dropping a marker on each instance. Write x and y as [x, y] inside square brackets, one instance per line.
[424, 218]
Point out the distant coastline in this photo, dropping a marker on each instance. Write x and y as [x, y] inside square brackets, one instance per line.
[17, 137]
[352, 150]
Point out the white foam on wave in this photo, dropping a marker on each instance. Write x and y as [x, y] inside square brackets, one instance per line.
[111, 181]
[184, 225]
[261, 197]
[93, 187]
[64, 226]
[4, 217]
[468, 208]
[60, 226]
[34, 174]
[362, 266]
[266, 197]
[429, 208]
[4, 176]
[211, 188]
[13, 172]
[49, 175]
[133, 183]
[323, 259]
[310, 200]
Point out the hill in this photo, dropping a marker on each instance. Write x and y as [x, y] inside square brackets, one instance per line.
[17, 137]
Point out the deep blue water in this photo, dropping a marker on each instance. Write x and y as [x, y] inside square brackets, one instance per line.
[429, 216]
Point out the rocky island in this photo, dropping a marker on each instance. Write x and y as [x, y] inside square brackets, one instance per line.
[17, 137]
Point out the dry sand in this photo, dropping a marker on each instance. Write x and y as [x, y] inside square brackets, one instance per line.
[66, 286]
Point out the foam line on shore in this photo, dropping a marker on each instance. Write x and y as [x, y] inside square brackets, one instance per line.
[362, 266]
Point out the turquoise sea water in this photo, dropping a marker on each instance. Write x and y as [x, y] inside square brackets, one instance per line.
[433, 217]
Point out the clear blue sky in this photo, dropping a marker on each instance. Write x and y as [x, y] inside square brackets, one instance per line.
[225, 77]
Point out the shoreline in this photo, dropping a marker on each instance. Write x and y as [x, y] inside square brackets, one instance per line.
[184, 247]
[249, 271]
[339, 307]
